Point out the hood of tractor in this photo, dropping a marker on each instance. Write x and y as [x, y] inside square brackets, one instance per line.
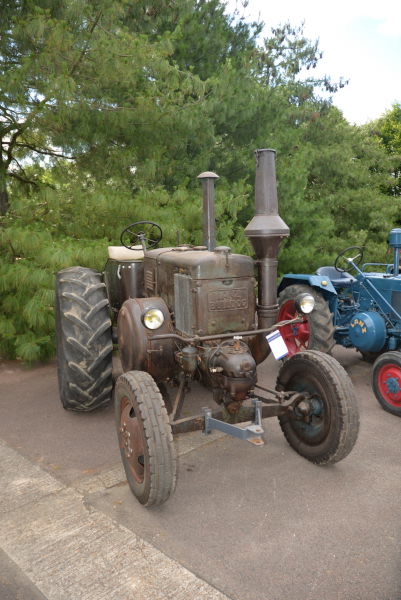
[208, 292]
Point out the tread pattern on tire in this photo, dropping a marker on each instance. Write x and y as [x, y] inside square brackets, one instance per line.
[346, 428]
[162, 459]
[84, 340]
[320, 320]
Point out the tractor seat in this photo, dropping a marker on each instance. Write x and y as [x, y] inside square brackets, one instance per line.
[337, 278]
[122, 254]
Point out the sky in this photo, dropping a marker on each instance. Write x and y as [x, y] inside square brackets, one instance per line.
[360, 41]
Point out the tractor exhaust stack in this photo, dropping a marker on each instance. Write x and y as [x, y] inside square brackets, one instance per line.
[209, 239]
[266, 232]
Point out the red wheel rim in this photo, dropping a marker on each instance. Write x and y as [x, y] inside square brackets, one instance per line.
[296, 336]
[131, 441]
[389, 384]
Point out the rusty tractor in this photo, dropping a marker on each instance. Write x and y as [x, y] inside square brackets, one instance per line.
[203, 313]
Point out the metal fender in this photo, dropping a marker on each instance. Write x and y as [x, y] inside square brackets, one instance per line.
[138, 352]
[316, 281]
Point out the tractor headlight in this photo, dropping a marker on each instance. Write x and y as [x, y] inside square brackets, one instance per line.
[305, 303]
[153, 318]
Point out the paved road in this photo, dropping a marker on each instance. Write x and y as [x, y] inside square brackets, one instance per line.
[245, 523]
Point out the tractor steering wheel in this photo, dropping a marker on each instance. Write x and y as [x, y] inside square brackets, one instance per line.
[346, 255]
[141, 232]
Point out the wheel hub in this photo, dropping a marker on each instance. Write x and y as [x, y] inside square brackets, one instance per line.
[308, 409]
[131, 440]
[393, 385]
[390, 383]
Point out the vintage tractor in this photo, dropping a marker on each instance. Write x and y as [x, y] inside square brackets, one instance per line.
[187, 313]
[356, 307]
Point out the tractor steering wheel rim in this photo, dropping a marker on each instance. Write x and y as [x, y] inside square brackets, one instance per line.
[357, 259]
[143, 237]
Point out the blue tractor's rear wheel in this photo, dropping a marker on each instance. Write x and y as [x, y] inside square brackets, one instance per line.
[315, 332]
[386, 381]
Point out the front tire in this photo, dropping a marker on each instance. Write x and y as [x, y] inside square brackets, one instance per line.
[145, 438]
[386, 382]
[83, 340]
[329, 433]
[316, 332]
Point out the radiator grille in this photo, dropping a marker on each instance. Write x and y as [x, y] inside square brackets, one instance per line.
[149, 281]
[183, 303]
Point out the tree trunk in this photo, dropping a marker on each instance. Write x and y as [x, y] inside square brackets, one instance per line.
[3, 202]
[3, 192]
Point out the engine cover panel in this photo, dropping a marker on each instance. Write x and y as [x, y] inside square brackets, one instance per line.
[208, 292]
[368, 331]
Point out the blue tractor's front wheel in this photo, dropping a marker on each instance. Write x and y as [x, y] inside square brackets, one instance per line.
[386, 381]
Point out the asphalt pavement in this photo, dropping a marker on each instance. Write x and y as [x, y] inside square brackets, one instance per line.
[245, 523]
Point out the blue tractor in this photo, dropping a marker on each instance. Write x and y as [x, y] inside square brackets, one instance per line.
[357, 305]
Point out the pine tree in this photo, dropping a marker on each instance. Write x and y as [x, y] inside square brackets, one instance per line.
[77, 85]
[388, 130]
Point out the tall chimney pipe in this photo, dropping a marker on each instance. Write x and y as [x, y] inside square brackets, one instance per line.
[266, 231]
[208, 178]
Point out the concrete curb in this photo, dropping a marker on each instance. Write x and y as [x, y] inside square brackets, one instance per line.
[71, 551]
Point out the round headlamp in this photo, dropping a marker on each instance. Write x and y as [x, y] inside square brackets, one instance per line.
[153, 318]
[305, 303]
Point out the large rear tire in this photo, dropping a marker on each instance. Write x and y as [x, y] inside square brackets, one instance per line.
[145, 438]
[329, 432]
[316, 332]
[386, 382]
[83, 340]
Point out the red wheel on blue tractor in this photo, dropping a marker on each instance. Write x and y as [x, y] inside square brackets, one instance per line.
[315, 332]
[386, 382]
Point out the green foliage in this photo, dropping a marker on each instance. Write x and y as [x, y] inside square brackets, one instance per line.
[387, 129]
[333, 188]
[390, 129]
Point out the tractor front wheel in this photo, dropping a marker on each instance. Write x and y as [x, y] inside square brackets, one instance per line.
[323, 426]
[315, 332]
[145, 438]
[386, 382]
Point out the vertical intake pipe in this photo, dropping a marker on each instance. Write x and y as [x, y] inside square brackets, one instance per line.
[266, 231]
[209, 239]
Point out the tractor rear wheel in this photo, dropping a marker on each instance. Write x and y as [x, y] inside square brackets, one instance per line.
[323, 428]
[386, 382]
[315, 332]
[83, 340]
[145, 438]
